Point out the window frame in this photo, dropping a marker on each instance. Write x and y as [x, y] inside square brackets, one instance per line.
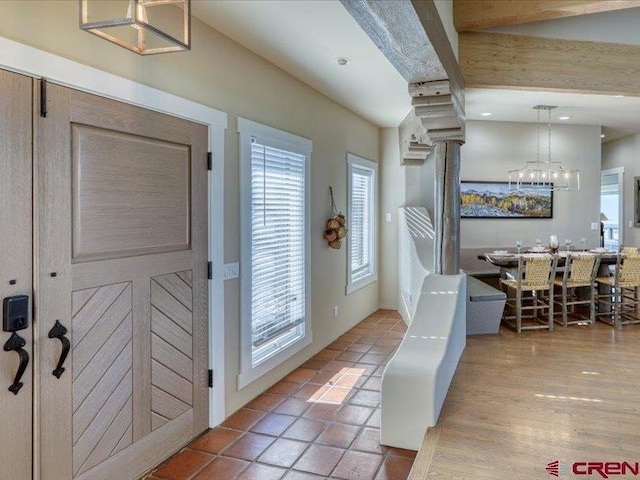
[372, 276]
[275, 138]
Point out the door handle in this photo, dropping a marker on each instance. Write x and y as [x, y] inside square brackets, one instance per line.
[15, 343]
[59, 331]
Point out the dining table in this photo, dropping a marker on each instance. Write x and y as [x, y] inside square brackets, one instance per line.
[508, 263]
[509, 260]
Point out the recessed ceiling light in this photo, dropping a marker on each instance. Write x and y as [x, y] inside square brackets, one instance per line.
[619, 96]
[565, 117]
[602, 135]
[485, 114]
[342, 61]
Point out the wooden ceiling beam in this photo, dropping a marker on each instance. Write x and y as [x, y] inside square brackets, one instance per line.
[479, 14]
[491, 60]
[411, 35]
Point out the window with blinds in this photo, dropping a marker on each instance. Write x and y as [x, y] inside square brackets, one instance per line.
[274, 248]
[278, 273]
[361, 221]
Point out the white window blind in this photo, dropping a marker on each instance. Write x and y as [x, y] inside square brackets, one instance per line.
[361, 220]
[278, 205]
[360, 216]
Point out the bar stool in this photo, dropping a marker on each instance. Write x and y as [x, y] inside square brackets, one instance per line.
[535, 274]
[621, 292]
[579, 272]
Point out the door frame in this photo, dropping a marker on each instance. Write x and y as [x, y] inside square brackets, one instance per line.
[621, 222]
[36, 63]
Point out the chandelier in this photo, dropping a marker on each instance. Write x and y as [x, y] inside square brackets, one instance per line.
[544, 173]
[145, 27]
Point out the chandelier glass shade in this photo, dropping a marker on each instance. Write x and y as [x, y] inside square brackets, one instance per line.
[544, 173]
[145, 27]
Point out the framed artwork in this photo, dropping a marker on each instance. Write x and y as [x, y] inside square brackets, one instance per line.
[495, 200]
[636, 203]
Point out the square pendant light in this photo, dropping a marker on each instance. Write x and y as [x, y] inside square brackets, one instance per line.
[145, 27]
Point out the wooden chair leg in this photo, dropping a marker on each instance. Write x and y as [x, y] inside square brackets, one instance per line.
[518, 311]
[550, 311]
[617, 307]
[592, 306]
[565, 320]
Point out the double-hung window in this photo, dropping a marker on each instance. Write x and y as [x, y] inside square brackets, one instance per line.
[275, 289]
[361, 215]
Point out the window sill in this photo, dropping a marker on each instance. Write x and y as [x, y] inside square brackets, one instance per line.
[368, 280]
[252, 374]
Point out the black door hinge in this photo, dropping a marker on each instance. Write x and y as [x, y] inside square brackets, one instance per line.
[43, 98]
[209, 161]
[210, 271]
[210, 378]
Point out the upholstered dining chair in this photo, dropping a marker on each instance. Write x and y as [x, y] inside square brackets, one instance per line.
[534, 277]
[618, 294]
[580, 271]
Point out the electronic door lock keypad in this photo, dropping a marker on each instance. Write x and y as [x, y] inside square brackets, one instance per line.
[15, 313]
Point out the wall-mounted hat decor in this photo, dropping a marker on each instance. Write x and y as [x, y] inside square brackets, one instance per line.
[336, 227]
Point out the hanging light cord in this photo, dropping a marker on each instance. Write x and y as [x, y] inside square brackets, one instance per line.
[538, 144]
[549, 131]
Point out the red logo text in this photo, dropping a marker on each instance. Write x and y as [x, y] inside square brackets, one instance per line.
[605, 469]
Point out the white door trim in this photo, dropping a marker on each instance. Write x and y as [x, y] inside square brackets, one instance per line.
[621, 221]
[38, 63]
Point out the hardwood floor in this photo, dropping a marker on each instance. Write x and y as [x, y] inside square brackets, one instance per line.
[518, 402]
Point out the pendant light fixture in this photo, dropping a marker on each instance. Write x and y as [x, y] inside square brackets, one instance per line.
[145, 27]
[544, 173]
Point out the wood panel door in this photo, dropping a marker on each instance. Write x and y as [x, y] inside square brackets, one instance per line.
[123, 267]
[16, 268]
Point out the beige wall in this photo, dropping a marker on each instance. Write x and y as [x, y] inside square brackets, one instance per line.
[494, 148]
[624, 153]
[392, 189]
[224, 75]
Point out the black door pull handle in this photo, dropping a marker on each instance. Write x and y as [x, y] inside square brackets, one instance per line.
[15, 343]
[59, 331]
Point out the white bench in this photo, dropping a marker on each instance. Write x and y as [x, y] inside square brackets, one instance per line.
[417, 378]
[485, 305]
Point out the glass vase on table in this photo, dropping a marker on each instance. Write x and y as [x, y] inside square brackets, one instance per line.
[553, 243]
[583, 242]
[519, 245]
[568, 243]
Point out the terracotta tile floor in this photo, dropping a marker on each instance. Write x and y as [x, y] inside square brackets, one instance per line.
[321, 421]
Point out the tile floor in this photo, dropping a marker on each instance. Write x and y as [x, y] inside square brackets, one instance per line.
[321, 421]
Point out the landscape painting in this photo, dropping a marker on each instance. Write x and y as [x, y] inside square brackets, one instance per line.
[495, 200]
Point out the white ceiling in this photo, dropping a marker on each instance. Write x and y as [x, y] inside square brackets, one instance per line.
[304, 38]
[618, 116]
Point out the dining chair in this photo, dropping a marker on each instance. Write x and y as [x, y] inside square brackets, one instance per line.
[618, 294]
[535, 275]
[580, 271]
[630, 250]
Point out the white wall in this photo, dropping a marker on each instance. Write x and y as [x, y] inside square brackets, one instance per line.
[494, 148]
[625, 152]
[222, 74]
